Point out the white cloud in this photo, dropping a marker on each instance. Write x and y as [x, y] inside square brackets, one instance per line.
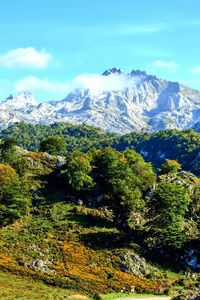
[95, 83]
[34, 83]
[24, 58]
[196, 69]
[167, 65]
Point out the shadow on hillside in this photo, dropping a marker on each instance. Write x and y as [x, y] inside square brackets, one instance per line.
[88, 221]
[51, 191]
[115, 241]
[105, 240]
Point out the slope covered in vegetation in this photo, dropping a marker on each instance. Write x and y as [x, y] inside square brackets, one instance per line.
[183, 146]
[98, 222]
[80, 137]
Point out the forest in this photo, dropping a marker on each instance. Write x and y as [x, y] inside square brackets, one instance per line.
[180, 145]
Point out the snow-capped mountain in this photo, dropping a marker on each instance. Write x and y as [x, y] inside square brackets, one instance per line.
[141, 103]
[196, 127]
[23, 100]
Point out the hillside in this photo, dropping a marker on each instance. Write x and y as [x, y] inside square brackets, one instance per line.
[18, 287]
[181, 145]
[86, 225]
[63, 243]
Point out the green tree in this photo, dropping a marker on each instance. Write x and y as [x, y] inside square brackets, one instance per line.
[118, 183]
[14, 200]
[12, 156]
[167, 209]
[78, 169]
[8, 143]
[21, 165]
[141, 169]
[7, 175]
[170, 166]
[54, 145]
[8, 150]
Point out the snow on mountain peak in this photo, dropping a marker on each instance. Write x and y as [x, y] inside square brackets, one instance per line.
[116, 101]
[22, 100]
[26, 97]
[15, 109]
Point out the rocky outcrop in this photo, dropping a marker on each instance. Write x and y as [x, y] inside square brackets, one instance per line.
[40, 265]
[135, 264]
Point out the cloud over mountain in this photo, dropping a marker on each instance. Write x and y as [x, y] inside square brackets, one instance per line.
[95, 83]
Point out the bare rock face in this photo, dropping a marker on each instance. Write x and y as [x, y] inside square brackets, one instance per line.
[134, 264]
[40, 265]
[196, 127]
[139, 102]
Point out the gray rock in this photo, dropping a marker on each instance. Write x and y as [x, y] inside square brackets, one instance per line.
[79, 202]
[134, 264]
[40, 265]
[60, 161]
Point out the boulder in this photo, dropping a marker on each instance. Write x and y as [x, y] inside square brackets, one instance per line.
[40, 265]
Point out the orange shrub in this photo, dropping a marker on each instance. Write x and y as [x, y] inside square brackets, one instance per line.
[7, 174]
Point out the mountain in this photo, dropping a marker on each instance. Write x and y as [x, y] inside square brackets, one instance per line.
[14, 109]
[196, 127]
[141, 103]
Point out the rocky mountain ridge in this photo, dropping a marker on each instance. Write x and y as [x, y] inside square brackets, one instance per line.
[145, 103]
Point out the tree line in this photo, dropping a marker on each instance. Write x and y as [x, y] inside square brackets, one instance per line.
[180, 145]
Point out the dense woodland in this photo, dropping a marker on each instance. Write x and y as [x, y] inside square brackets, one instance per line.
[154, 205]
[180, 145]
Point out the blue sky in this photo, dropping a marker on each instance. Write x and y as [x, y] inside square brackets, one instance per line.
[46, 45]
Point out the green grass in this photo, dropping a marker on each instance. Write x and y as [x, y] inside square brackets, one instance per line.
[112, 296]
[41, 236]
[16, 287]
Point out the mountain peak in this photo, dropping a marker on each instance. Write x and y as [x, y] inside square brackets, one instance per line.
[22, 94]
[112, 71]
[25, 94]
[24, 98]
[10, 97]
[138, 73]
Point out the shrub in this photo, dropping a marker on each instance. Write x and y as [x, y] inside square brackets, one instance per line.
[14, 201]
